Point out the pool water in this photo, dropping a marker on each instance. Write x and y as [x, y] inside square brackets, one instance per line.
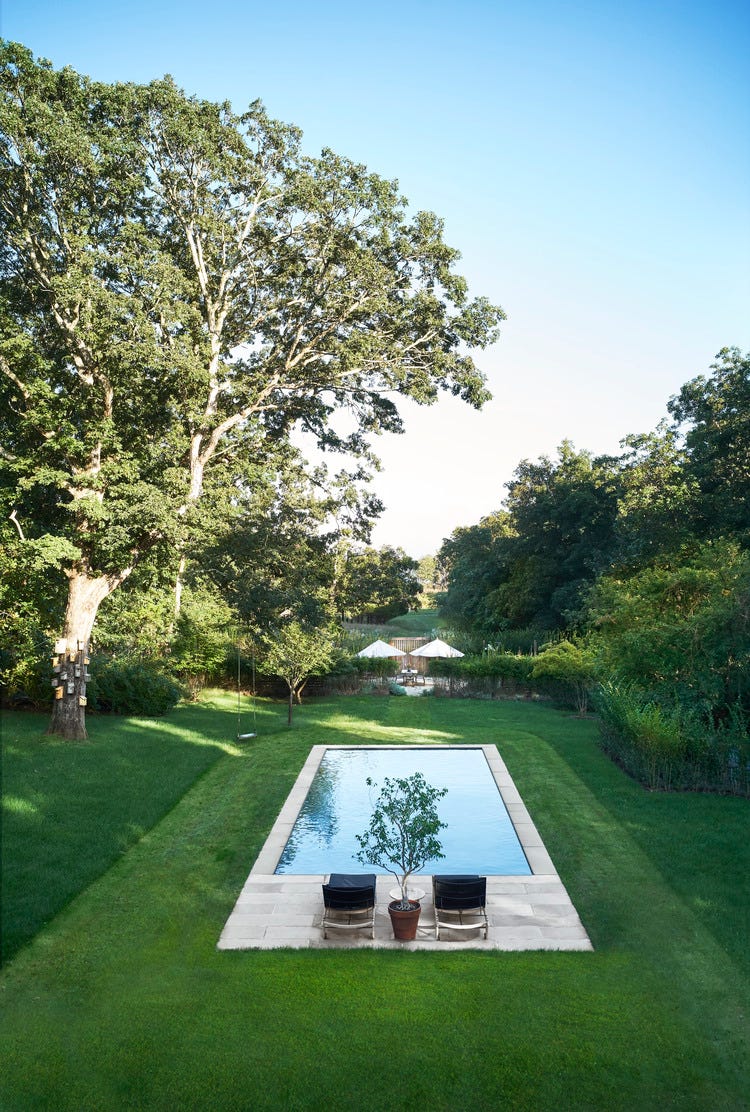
[479, 838]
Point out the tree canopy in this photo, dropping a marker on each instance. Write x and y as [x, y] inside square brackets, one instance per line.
[565, 522]
[641, 559]
[180, 286]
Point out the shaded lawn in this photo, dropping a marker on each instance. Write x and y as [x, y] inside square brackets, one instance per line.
[123, 1002]
[69, 809]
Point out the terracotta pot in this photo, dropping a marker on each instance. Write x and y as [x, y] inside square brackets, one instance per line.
[404, 923]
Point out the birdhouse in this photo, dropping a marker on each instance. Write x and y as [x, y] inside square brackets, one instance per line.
[71, 688]
[82, 700]
[59, 693]
[77, 670]
[61, 646]
[54, 683]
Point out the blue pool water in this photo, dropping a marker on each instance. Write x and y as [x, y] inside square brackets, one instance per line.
[479, 838]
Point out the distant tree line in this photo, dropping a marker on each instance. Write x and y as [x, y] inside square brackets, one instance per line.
[641, 559]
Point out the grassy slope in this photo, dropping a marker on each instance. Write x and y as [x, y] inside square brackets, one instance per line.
[123, 1001]
[70, 809]
[417, 623]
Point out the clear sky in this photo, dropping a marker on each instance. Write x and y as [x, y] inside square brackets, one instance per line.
[591, 161]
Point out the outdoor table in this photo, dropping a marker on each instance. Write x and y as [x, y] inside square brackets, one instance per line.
[415, 894]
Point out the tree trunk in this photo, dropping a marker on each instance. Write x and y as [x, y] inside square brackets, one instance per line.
[291, 705]
[85, 594]
[178, 585]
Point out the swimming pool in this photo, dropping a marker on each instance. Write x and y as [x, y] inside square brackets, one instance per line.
[480, 836]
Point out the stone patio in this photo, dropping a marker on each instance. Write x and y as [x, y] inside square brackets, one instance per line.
[525, 912]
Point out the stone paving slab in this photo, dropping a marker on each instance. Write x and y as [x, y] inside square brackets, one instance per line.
[525, 913]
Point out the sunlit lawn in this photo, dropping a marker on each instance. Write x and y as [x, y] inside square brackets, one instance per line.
[123, 1001]
[417, 623]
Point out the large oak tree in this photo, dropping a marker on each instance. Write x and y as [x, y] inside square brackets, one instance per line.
[179, 286]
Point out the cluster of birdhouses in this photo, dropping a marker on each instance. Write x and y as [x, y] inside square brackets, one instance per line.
[70, 671]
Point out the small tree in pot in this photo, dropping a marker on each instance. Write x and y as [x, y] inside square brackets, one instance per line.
[403, 834]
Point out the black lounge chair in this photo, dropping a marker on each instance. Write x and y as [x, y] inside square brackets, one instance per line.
[460, 903]
[349, 902]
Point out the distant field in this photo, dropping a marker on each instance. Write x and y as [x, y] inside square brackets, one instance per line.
[417, 623]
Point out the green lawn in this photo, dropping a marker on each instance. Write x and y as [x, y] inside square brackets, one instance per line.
[417, 623]
[123, 1002]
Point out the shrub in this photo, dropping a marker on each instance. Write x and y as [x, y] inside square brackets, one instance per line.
[127, 686]
[490, 675]
[666, 746]
[680, 628]
[571, 666]
[25, 668]
[202, 649]
[515, 641]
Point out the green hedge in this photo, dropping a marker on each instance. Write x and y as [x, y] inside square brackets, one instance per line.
[667, 747]
[126, 686]
[493, 676]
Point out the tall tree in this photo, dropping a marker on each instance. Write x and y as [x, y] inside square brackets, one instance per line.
[380, 584]
[716, 411]
[563, 513]
[180, 286]
[473, 562]
[657, 496]
[87, 451]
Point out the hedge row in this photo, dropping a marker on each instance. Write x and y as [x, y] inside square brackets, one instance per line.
[667, 748]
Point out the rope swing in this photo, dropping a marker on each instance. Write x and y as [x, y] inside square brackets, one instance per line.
[240, 735]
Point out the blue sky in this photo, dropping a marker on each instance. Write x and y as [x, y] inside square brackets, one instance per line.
[591, 162]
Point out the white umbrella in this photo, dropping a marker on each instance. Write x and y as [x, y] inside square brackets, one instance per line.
[436, 648]
[380, 649]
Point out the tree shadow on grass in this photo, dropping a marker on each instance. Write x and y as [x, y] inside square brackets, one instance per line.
[70, 810]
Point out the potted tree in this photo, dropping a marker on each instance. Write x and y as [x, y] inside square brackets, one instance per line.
[401, 838]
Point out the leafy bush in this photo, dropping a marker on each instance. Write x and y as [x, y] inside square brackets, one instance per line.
[493, 674]
[570, 665]
[138, 618]
[202, 649]
[373, 666]
[667, 746]
[32, 600]
[25, 668]
[680, 629]
[127, 686]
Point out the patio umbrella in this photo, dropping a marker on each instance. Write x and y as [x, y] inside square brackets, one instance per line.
[380, 649]
[436, 648]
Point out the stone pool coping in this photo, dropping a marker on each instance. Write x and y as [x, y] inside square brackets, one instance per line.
[525, 912]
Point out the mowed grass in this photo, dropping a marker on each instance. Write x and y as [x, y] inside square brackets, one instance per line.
[71, 809]
[417, 623]
[123, 1001]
